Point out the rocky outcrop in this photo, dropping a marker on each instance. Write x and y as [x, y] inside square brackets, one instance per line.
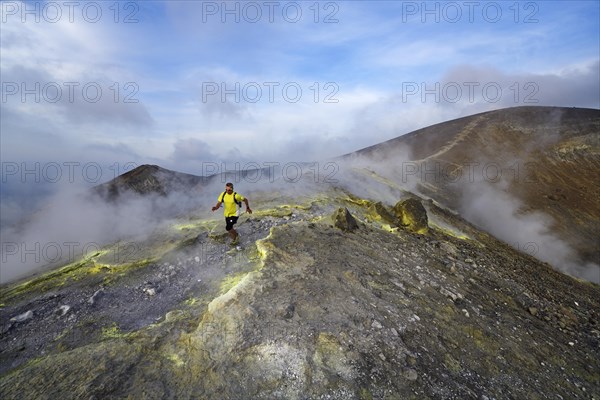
[378, 211]
[412, 215]
[343, 220]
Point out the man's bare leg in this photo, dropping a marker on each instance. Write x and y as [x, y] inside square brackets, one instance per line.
[233, 234]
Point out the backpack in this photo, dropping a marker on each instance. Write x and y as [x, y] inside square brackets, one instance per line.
[239, 203]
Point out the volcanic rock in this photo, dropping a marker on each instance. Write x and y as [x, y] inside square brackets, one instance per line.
[379, 211]
[343, 220]
[412, 215]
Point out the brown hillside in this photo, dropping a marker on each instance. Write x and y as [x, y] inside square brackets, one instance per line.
[546, 158]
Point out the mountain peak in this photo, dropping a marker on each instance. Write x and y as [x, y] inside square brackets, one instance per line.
[148, 179]
[495, 167]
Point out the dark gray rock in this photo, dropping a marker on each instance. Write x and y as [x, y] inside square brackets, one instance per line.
[412, 215]
[343, 220]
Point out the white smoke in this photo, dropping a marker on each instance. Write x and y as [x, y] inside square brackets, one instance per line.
[490, 207]
[76, 223]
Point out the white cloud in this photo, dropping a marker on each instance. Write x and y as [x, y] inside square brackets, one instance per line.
[368, 54]
[573, 86]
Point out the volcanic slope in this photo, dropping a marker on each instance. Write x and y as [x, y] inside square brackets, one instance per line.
[528, 175]
[148, 179]
[359, 306]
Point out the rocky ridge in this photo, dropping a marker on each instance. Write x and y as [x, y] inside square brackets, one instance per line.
[149, 179]
[368, 287]
[540, 159]
[305, 310]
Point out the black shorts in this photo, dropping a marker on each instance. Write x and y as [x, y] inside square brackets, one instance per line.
[230, 221]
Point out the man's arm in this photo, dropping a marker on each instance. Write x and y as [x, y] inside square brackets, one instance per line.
[215, 208]
[248, 210]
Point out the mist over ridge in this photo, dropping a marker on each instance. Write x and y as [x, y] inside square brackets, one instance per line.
[523, 174]
[415, 262]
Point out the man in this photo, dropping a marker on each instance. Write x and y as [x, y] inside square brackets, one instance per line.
[230, 201]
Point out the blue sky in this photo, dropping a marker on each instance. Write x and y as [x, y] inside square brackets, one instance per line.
[380, 69]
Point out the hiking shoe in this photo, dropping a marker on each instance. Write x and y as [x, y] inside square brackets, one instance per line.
[236, 240]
